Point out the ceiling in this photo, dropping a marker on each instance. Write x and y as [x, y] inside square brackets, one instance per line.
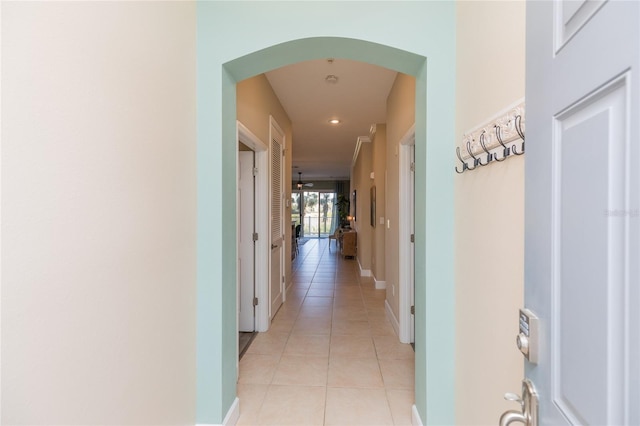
[324, 151]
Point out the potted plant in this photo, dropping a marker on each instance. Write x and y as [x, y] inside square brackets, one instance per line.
[343, 210]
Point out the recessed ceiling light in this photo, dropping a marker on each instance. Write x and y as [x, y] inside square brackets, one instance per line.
[334, 121]
[331, 79]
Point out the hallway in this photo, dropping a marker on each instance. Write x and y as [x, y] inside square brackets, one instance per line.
[330, 357]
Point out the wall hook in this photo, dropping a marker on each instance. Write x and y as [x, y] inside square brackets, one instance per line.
[518, 126]
[508, 129]
[476, 160]
[490, 156]
[465, 167]
[505, 150]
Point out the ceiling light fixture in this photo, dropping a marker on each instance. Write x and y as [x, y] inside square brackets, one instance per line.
[331, 79]
[334, 121]
[300, 184]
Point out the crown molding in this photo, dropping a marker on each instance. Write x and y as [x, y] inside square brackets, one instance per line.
[359, 142]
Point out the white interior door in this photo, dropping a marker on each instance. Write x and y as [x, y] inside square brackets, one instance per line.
[582, 210]
[276, 286]
[262, 225]
[246, 249]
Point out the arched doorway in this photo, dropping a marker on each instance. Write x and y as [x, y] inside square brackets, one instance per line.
[216, 364]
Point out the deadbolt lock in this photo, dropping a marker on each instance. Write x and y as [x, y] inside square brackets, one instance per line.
[527, 338]
[523, 343]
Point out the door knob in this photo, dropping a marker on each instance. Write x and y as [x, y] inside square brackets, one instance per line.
[528, 413]
[511, 416]
[513, 397]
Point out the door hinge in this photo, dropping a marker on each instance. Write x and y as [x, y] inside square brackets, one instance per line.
[413, 167]
[413, 238]
[255, 301]
[413, 310]
[255, 236]
[283, 279]
[255, 171]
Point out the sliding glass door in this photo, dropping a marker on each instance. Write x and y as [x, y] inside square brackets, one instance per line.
[318, 213]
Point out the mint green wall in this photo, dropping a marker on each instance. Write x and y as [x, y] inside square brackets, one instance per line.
[237, 40]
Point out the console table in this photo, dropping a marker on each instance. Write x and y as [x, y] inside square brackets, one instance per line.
[349, 244]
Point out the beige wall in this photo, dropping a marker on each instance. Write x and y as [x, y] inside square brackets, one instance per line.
[489, 215]
[379, 167]
[256, 101]
[371, 241]
[400, 117]
[98, 213]
[361, 183]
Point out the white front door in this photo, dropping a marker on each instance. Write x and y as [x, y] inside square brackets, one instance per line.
[246, 249]
[582, 211]
[276, 286]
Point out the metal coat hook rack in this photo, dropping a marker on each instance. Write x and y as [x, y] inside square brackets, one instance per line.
[496, 141]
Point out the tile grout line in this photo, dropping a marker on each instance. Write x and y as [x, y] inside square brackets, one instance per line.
[338, 269]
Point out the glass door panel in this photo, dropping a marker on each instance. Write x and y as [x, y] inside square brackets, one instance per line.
[310, 225]
[319, 213]
[295, 208]
[327, 202]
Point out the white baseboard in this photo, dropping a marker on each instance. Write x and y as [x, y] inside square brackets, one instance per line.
[392, 318]
[231, 418]
[233, 414]
[364, 272]
[380, 285]
[415, 416]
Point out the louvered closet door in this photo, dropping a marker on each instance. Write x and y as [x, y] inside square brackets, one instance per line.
[276, 285]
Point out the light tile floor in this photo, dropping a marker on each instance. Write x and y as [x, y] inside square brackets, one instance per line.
[331, 356]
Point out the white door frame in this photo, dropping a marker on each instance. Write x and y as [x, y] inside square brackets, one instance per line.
[261, 150]
[405, 253]
[246, 244]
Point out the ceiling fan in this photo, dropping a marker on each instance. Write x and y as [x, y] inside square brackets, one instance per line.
[300, 184]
